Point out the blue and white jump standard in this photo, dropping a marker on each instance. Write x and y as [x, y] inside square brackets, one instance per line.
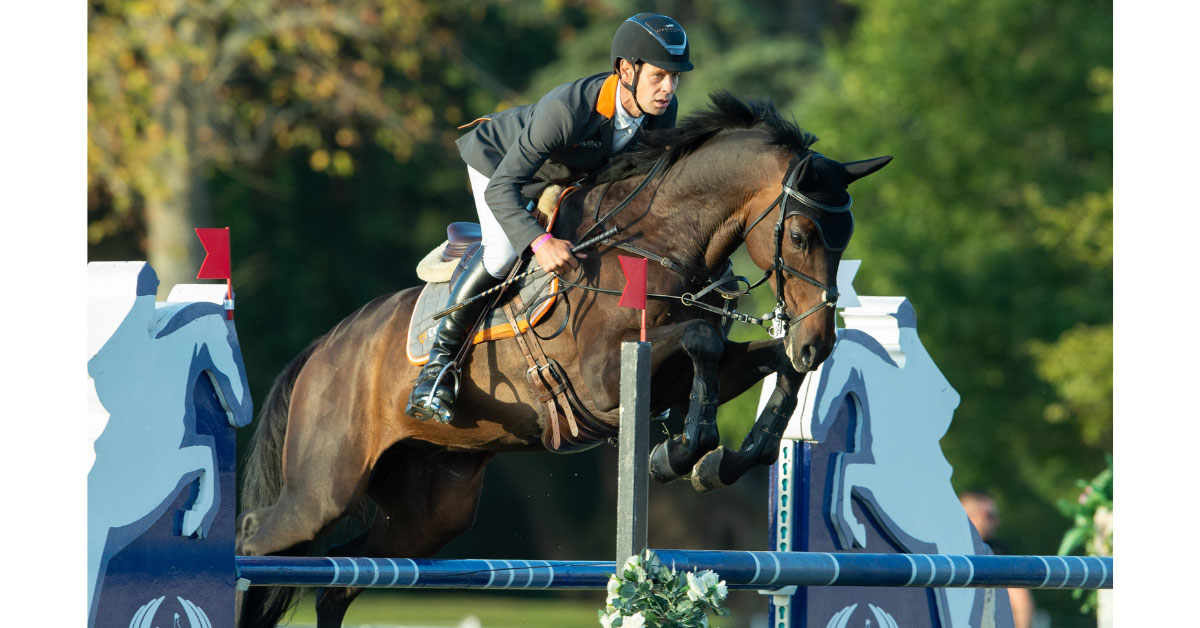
[861, 502]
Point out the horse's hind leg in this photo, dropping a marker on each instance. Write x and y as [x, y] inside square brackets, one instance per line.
[298, 517]
[425, 499]
[325, 464]
[722, 467]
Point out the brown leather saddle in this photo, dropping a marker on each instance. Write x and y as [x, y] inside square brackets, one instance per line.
[566, 425]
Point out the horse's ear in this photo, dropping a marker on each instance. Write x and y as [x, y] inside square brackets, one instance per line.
[860, 169]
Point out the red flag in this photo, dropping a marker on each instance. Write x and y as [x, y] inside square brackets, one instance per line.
[634, 295]
[216, 262]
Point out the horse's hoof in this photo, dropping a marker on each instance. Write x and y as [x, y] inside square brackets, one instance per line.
[706, 475]
[660, 465]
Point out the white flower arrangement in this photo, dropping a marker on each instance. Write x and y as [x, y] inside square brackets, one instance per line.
[645, 594]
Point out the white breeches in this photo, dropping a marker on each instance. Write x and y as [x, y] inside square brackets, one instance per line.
[498, 252]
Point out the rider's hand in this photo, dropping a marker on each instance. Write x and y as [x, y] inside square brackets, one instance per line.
[554, 256]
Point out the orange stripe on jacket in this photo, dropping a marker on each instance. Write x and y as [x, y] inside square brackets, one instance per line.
[606, 104]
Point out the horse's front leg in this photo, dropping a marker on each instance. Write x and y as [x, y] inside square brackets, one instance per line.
[675, 457]
[722, 467]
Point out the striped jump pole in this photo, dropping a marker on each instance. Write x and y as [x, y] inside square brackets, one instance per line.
[743, 570]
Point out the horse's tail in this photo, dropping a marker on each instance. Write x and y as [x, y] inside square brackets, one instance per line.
[262, 482]
[262, 479]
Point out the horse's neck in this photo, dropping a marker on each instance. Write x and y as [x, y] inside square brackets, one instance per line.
[695, 213]
[706, 202]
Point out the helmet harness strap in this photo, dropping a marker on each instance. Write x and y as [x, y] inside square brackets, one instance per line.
[637, 72]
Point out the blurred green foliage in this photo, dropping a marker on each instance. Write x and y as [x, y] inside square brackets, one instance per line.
[995, 219]
[1091, 514]
[322, 134]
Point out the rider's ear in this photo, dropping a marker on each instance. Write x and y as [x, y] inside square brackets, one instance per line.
[620, 67]
[860, 169]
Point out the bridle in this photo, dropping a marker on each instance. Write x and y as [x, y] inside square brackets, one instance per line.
[779, 317]
[780, 322]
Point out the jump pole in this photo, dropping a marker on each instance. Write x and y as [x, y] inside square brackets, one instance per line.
[633, 436]
[741, 570]
[633, 458]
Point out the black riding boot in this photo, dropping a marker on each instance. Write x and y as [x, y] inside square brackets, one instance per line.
[451, 333]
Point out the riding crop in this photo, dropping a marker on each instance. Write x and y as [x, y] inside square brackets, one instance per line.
[582, 246]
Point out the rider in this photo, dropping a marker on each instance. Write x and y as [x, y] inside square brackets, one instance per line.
[513, 155]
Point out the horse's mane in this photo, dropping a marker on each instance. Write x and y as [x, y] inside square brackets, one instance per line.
[725, 111]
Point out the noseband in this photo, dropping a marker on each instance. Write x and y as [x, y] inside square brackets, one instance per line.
[780, 321]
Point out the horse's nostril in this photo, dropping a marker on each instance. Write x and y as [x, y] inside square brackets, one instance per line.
[808, 355]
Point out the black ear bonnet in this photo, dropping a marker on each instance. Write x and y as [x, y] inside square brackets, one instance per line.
[816, 189]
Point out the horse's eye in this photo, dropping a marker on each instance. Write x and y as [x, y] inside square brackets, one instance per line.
[799, 240]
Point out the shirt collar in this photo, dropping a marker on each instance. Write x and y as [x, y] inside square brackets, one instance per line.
[622, 120]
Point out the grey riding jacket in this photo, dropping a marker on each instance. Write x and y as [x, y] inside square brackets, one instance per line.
[560, 139]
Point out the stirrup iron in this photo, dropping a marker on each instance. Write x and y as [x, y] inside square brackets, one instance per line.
[434, 403]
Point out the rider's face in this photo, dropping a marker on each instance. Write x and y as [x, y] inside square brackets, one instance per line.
[655, 87]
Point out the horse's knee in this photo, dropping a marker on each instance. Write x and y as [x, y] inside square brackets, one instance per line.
[702, 341]
[458, 518]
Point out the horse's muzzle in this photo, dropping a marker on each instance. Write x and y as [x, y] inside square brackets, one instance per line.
[808, 358]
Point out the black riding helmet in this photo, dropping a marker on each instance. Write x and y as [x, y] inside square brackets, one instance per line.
[653, 38]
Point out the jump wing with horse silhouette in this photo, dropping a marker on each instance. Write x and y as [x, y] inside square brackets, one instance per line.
[163, 377]
[332, 432]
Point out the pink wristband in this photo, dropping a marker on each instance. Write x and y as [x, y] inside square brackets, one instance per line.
[539, 242]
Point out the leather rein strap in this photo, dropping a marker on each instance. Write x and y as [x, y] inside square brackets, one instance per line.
[780, 317]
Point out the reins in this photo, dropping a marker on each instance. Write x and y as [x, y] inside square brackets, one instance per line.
[779, 317]
[654, 171]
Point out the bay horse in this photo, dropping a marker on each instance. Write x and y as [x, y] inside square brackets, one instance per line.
[332, 433]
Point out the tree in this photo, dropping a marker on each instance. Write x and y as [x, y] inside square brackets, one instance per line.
[178, 89]
[995, 219]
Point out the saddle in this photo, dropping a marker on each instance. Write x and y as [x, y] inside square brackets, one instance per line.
[566, 425]
[441, 275]
[441, 267]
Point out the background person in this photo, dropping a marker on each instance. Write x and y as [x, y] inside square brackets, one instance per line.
[981, 510]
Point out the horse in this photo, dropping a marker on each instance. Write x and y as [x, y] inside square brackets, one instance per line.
[149, 448]
[332, 436]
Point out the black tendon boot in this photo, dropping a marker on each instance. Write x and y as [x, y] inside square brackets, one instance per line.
[451, 333]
